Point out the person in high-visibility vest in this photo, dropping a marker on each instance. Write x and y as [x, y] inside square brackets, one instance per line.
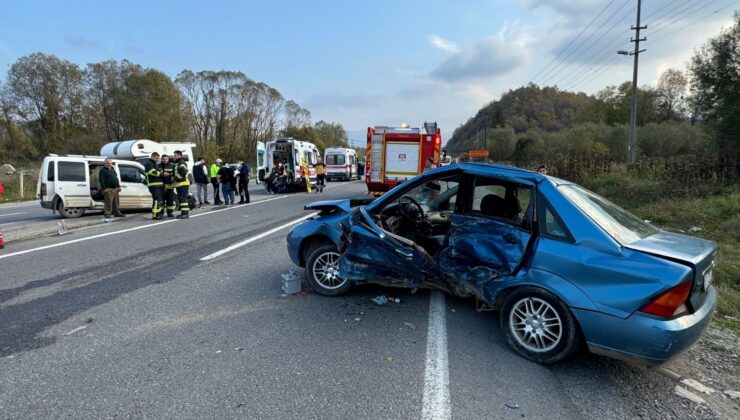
[182, 185]
[155, 182]
[214, 181]
[168, 176]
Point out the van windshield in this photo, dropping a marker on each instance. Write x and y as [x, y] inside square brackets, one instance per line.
[335, 160]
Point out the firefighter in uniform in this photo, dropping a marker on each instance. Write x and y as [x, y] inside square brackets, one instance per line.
[168, 175]
[182, 185]
[155, 183]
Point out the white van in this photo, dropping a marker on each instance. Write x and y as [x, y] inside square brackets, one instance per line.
[68, 184]
[261, 168]
[140, 150]
[291, 153]
[341, 163]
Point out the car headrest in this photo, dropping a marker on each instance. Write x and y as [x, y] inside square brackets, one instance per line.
[493, 205]
[512, 206]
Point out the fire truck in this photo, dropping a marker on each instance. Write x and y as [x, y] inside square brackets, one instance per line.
[395, 154]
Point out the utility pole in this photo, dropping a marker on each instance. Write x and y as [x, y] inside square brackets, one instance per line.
[633, 108]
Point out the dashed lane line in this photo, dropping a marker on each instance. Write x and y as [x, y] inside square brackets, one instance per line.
[257, 237]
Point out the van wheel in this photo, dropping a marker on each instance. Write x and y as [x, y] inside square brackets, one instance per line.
[71, 212]
[322, 271]
[538, 326]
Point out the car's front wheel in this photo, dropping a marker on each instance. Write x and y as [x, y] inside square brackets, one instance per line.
[538, 325]
[322, 271]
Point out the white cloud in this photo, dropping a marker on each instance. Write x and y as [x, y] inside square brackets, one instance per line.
[443, 44]
[492, 57]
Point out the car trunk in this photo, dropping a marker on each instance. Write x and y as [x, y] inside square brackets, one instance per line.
[697, 253]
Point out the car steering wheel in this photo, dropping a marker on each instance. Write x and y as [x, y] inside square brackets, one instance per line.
[411, 210]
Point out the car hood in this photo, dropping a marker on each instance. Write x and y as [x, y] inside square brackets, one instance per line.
[676, 246]
[344, 205]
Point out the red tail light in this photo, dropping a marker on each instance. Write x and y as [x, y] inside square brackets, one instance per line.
[43, 190]
[669, 303]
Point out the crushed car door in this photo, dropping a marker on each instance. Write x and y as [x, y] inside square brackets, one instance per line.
[374, 254]
[489, 237]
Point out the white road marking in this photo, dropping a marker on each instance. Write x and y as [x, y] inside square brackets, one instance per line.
[76, 329]
[238, 206]
[254, 238]
[436, 399]
[12, 214]
[146, 226]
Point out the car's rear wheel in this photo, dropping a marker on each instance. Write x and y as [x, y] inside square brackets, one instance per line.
[69, 212]
[322, 271]
[538, 325]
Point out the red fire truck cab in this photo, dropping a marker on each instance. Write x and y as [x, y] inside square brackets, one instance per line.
[395, 154]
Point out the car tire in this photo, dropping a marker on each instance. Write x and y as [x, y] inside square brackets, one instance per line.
[320, 259]
[71, 212]
[538, 326]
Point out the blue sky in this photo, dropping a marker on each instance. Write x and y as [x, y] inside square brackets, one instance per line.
[365, 63]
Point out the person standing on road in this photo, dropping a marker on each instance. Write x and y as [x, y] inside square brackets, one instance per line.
[214, 180]
[200, 176]
[226, 178]
[111, 187]
[168, 176]
[244, 183]
[182, 185]
[155, 182]
[320, 176]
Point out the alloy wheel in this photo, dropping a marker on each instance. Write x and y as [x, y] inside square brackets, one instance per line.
[326, 270]
[535, 324]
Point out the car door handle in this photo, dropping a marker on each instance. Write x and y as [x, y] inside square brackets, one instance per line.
[82, 185]
[405, 253]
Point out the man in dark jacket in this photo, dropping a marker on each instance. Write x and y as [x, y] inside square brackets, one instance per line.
[200, 176]
[244, 183]
[155, 182]
[111, 187]
[226, 179]
[182, 185]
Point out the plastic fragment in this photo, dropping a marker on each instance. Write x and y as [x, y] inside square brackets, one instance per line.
[380, 300]
[512, 405]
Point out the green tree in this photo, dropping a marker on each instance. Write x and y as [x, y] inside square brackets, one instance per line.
[47, 94]
[716, 87]
[332, 134]
[670, 92]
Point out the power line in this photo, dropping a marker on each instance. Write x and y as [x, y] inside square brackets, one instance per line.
[610, 50]
[597, 72]
[695, 21]
[550, 73]
[677, 14]
[670, 3]
[617, 23]
[574, 40]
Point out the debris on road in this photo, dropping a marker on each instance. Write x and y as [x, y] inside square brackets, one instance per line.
[291, 282]
[384, 300]
[76, 330]
[218, 351]
[238, 349]
[357, 319]
[305, 293]
[62, 227]
[685, 393]
[512, 405]
[380, 300]
[389, 358]
[698, 386]
[410, 325]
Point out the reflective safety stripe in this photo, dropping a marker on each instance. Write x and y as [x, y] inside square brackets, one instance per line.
[155, 184]
[185, 183]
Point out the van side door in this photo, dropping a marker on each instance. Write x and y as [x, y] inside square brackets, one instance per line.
[134, 192]
[72, 182]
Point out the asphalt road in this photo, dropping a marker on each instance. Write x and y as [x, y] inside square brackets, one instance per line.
[126, 320]
[23, 213]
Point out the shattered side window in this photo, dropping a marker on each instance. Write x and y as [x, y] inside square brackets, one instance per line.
[439, 194]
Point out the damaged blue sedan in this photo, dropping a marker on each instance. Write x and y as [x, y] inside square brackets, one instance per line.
[562, 265]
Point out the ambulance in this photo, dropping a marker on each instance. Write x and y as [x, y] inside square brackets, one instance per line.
[341, 163]
[292, 154]
[395, 154]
